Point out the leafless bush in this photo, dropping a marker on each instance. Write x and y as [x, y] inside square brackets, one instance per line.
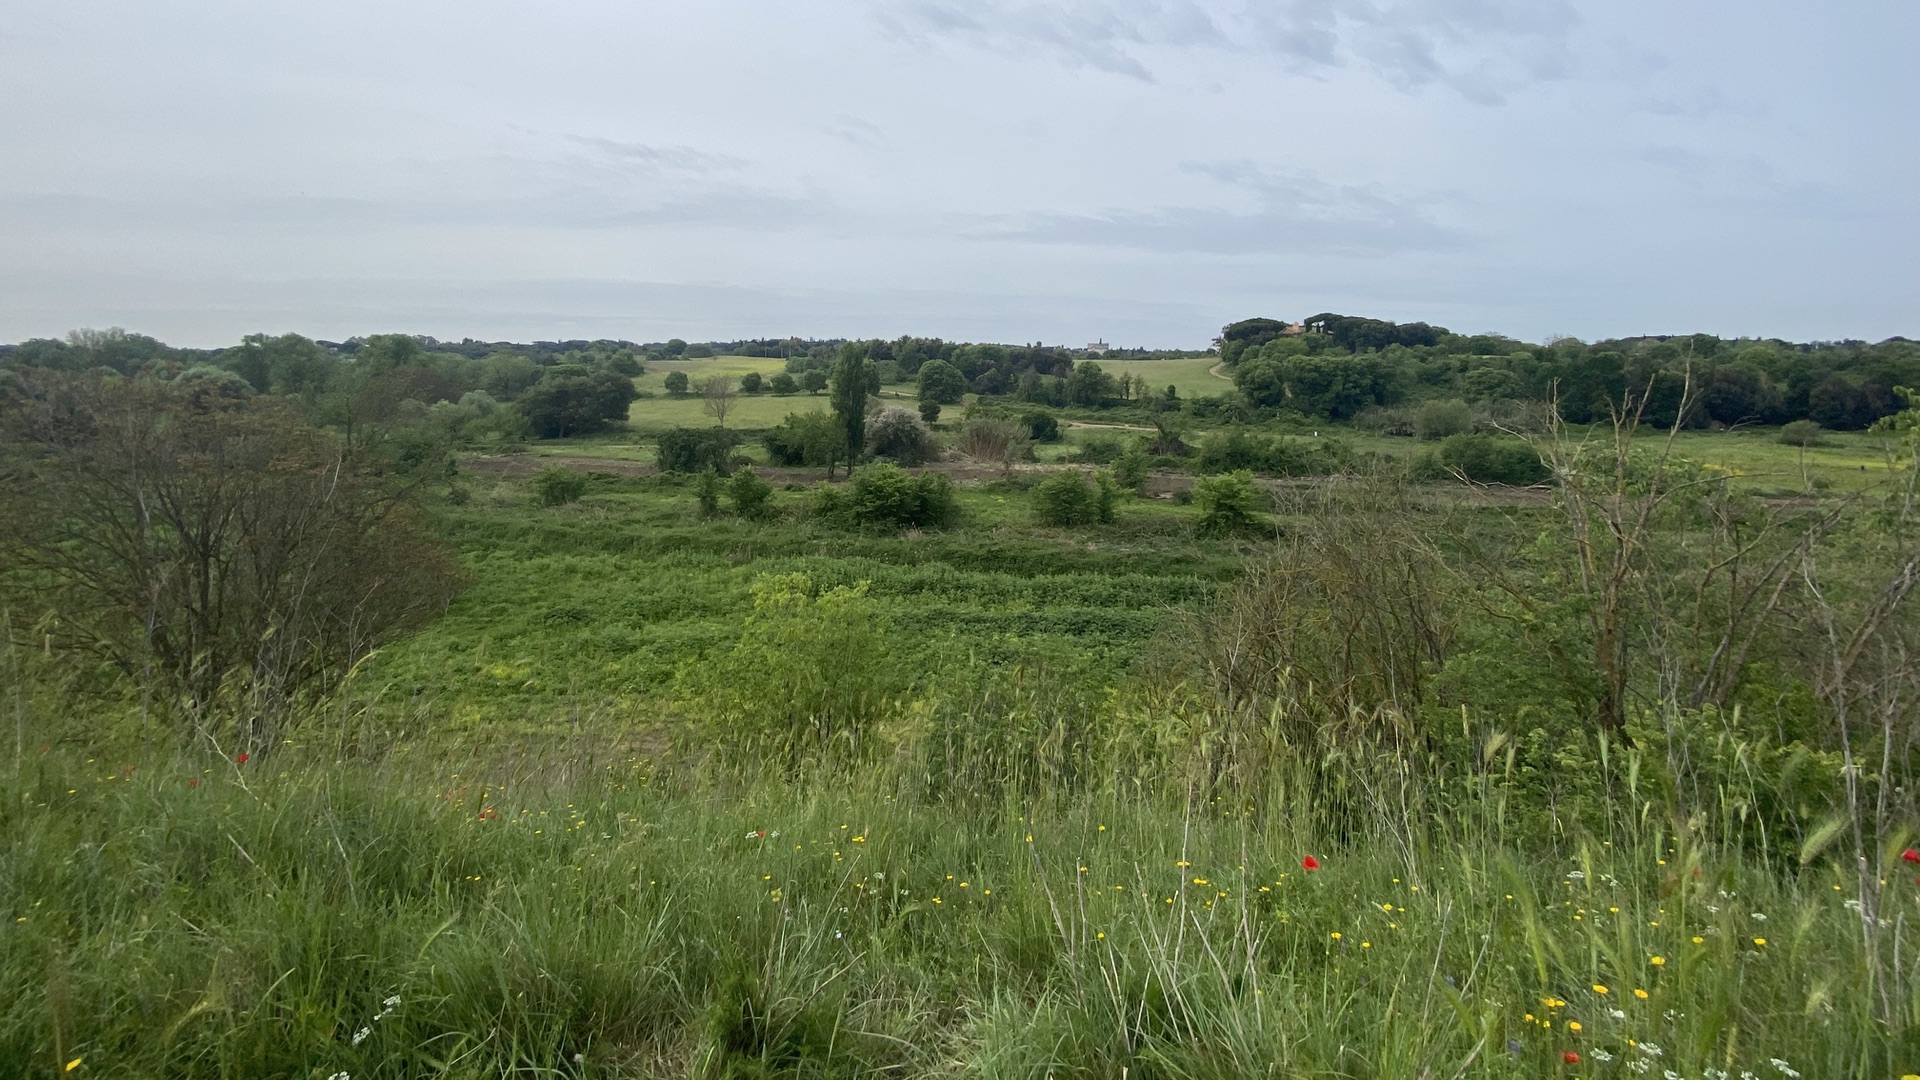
[994, 439]
[215, 549]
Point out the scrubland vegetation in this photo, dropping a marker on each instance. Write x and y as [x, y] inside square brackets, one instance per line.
[1083, 729]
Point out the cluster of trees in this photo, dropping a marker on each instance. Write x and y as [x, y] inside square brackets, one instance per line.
[388, 388]
[1336, 366]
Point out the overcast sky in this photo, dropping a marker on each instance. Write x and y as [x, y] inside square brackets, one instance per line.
[1141, 171]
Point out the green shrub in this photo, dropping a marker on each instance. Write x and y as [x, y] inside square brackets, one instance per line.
[1492, 459]
[1069, 497]
[1228, 502]
[1235, 450]
[692, 450]
[1439, 419]
[555, 486]
[676, 383]
[813, 439]
[886, 496]
[1130, 468]
[1098, 450]
[929, 412]
[748, 493]
[707, 490]
[1803, 433]
[1042, 426]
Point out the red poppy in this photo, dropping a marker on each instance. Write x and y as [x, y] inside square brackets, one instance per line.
[489, 814]
[1570, 1058]
[1309, 864]
[242, 758]
[1910, 855]
[193, 781]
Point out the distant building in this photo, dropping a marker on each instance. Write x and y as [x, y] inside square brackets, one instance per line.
[1097, 348]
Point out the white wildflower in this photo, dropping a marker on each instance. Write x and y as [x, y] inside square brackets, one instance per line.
[1616, 1014]
[1650, 1049]
[1601, 1056]
[392, 1001]
[340, 1076]
[1640, 1065]
[1671, 1075]
[361, 1035]
[1758, 916]
[1785, 1069]
[1576, 875]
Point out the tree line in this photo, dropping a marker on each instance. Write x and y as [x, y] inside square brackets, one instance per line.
[1337, 366]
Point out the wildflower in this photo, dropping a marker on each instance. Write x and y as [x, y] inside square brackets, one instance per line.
[1910, 855]
[1335, 935]
[242, 758]
[1573, 1025]
[1576, 875]
[1658, 961]
[1570, 1057]
[1639, 993]
[361, 1035]
[193, 781]
[1760, 942]
[1366, 944]
[340, 1076]
[1758, 917]
[1616, 1014]
[1601, 1055]
[1650, 1049]
[72, 1065]
[1599, 989]
[1785, 1069]
[1698, 940]
[1309, 864]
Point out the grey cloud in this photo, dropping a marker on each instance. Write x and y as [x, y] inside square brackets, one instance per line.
[723, 207]
[858, 132]
[1754, 182]
[1101, 36]
[1481, 49]
[1296, 214]
[678, 158]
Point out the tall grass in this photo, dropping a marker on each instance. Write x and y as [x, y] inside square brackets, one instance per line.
[308, 916]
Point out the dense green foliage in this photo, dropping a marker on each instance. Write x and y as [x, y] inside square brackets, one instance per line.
[1070, 497]
[692, 450]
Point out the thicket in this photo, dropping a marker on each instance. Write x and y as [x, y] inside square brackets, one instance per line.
[885, 496]
[1071, 497]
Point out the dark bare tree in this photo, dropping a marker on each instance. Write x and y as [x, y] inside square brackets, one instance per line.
[209, 545]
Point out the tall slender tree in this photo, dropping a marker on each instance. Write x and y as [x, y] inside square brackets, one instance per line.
[849, 398]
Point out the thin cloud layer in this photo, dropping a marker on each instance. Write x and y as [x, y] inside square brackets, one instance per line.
[1297, 214]
[1138, 170]
[1482, 49]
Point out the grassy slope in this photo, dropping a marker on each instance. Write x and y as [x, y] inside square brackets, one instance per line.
[595, 605]
[529, 891]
